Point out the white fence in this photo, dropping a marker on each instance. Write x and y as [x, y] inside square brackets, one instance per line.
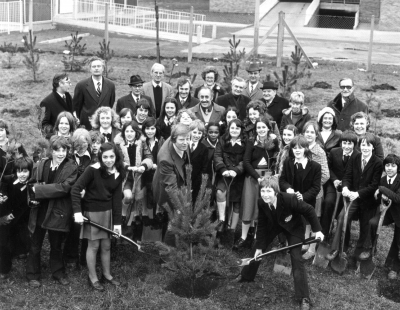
[11, 16]
[137, 17]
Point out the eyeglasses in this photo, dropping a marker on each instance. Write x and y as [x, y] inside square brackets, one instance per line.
[346, 87]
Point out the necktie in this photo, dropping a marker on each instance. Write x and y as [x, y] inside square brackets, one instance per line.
[182, 102]
[64, 98]
[364, 163]
[345, 159]
[98, 91]
[297, 166]
[192, 148]
[184, 157]
[390, 181]
[107, 136]
[251, 88]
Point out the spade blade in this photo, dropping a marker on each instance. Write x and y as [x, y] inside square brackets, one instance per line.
[283, 263]
[320, 256]
[339, 264]
[367, 268]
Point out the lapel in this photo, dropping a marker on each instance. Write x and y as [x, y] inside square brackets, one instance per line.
[178, 161]
[330, 137]
[307, 170]
[267, 211]
[369, 164]
[148, 91]
[92, 91]
[61, 100]
[104, 90]
[196, 151]
[396, 182]
[165, 91]
[197, 112]
[131, 101]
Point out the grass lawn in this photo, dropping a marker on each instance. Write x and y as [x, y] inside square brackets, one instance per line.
[145, 283]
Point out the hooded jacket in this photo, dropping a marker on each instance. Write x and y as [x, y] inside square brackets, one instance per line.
[287, 119]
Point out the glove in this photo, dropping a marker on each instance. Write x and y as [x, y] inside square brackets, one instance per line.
[117, 229]
[319, 235]
[78, 218]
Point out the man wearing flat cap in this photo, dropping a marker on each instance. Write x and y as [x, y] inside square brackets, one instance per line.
[274, 104]
[253, 86]
[130, 101]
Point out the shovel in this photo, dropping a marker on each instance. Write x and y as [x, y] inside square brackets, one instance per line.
[324, 247]
[283, 263]
[339, 264]
[367, 267]
[226, 237]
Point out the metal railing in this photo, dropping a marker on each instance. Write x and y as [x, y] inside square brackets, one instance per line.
[334, 22]
[11, 16]
[342, 1]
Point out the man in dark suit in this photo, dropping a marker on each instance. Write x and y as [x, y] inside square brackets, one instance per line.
[235, 98]
[274, 104]
[92, 93]
[157, 90]
[130, 101]
[283, 213]
[183, 96]
[58, 101]
[360, 181]
[206, 110]
[252, 87]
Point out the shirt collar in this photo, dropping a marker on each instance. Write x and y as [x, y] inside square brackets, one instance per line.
[95, 82]
[212, 145]
[238, 141]
[366, 158]
[303, 162]
[392, 178]
[344, 154]
[61, 95]
[135, 97]
[155, 84]
[108, 131]
[53, 166]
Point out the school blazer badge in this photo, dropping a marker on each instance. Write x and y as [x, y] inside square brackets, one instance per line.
[288, 218]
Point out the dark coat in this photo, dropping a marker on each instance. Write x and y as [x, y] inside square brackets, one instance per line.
[336, 165]
[378, 149]
[287, 120]
[59, 212]
[210, 156]
[290, 213]
[276, 108]
[228, 100]
[189, 103]
[199, 161]
[332, 141]
[163, 128]
[53, 105]
[392, 191]
[128, 102]
[86, 102]
[217, 91]
[343, 114]
[311, 179]
[216, 113]
[364, 182]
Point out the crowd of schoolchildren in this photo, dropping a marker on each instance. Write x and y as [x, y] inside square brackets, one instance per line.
[105, 171]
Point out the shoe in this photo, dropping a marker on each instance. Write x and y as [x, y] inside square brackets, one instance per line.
[96, 285]
[331, 256]
[34, 283]
[239, 244]
[220, 226]
[392, 275]
[308, 255]
[305, 304]
[3, 276]
[364, 255]
[63, 281]
[240, 279]
[111, 281]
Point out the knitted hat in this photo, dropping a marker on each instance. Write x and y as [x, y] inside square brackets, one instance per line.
[326, 110]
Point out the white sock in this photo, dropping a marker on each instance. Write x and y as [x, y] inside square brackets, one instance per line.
[245, 230]
[235, 220]
[312, 245]
[221, 210]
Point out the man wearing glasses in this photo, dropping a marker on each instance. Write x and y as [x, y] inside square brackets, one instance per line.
[130, 101]
[346, 104]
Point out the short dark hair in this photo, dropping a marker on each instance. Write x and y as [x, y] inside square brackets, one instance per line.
[57, 142]
[349, 136]
[57, 78]
[23, 163]
[150, 121]
[272, 182]
[124, 112]
[301, 141]
[144, 104]
[182, 81]
[3, 124]
[392, 159]
[210, 124]
[369, 138]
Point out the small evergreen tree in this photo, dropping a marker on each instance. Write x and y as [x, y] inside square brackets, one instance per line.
[74, 48]
[31, 62]
[106, 55]
[11, 51]
[234, 56]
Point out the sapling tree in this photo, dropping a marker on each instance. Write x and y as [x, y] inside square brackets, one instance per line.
[31, 60]
[234, 57]
[11, 51]
[74, 48]
[106, 54]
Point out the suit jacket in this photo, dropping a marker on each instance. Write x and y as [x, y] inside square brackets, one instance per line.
[229, 101]
[256, 94]
[336, 165]
[392, 191]
[275, 109]
[86, 102]
[289, 219]
[54, 105]
[216, 113]
[332, 141]
[189, 103]
[167, 91]
[170, 172]
[311, 179]
[128, 102]
[364, 182]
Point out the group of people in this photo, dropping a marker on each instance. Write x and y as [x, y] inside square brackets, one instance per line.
[116, 166]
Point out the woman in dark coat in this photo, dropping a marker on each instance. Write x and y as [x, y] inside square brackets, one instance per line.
[228, 162]
[210, 76]
[167, 117]
[329, 136]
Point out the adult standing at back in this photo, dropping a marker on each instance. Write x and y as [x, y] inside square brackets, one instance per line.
[157, 90]
[183, 96]
[274, 104]
[92, 93]
[345, 104]
[253, 86]
[235, 98]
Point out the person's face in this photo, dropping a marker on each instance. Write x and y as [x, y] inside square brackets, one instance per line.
[185, 119]
[210, 78]
[23, 175]
[327, 120]
[230, 116]
[253, 115]
[83, 146]
[269, 94]
[59, 155]
[262, 129]
[237, 87]
[105, 120]
[64, 85]
[205, 98]
[170, 109]
[254, 76]
[182, 142]
[310, 134]
[360, 126]
[184, 90]
[196, 135]
[126, 119]
[346, 87]
[96, 147]
[366, 149]
[142, 114]
[268, 194]
[157, 74]
[63, 126]
[347, 146]
[137, 89]
[296, 107]
[298, 152]
[391, 169]
[108, 158]
[213, 133]
[234, 131]
[96, 68]
[150, 132]
[287, 136]
[130, 134]
[3, 133]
